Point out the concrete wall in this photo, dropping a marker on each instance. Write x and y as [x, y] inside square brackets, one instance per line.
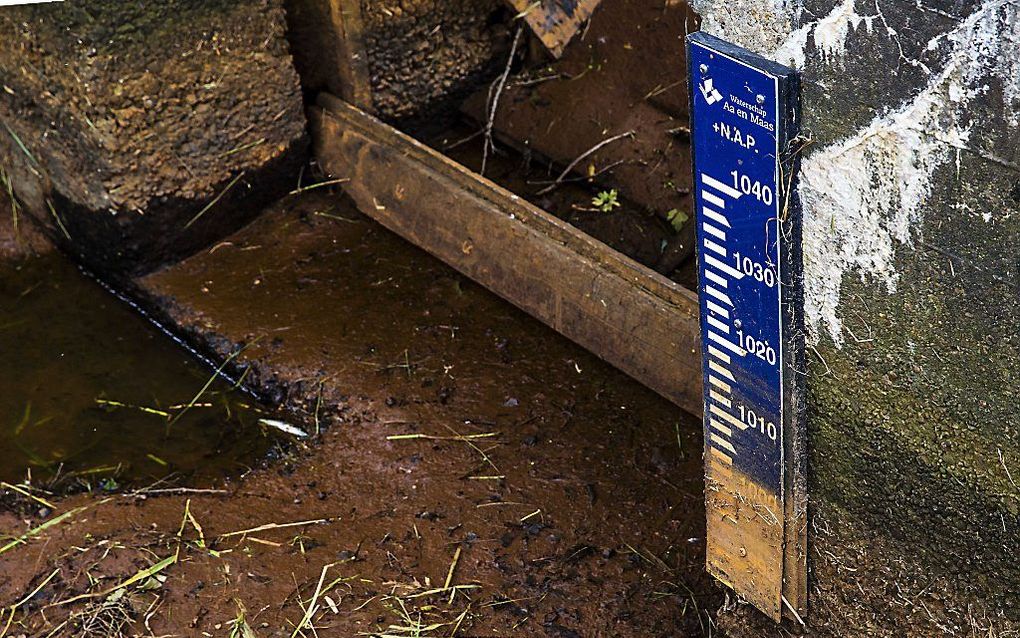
[911, 193]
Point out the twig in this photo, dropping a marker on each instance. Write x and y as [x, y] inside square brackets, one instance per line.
[430, 437]
[582, 178]
[215, 201]
[495, 100]
[580, 158]
[176, 490]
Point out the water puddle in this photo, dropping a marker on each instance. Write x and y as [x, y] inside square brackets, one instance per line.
[93, 396]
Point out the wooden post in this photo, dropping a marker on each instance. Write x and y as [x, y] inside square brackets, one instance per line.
[352, 79]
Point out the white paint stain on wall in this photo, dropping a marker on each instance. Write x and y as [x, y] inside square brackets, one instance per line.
[832, 31]
[866, 195]
[829, 34]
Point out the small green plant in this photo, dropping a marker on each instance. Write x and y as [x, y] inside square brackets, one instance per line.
[677, 218]
[606, 201]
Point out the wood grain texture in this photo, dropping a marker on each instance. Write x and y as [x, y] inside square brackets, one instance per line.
[629, 315]
[555, 22]
[351, 79]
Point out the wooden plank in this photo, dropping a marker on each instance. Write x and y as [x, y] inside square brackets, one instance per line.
[625, 313]
[555, 22]
[351, 80]
[744, 535]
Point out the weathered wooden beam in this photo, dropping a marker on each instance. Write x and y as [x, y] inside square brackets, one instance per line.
[627, 314]
[351, 79]
[555, 22]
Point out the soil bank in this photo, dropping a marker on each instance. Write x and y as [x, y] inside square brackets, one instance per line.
[121, 124]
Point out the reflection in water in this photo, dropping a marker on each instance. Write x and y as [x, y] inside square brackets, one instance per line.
[94, 395]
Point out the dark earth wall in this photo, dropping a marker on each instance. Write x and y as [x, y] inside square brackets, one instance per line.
[122, 122]
[423, 55]
[911, 192]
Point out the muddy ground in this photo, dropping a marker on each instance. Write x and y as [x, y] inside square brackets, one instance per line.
[19, 238]
[615, 108]
[455, 431]
[448, 420]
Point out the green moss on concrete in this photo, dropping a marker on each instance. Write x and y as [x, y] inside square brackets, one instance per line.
[914, 421]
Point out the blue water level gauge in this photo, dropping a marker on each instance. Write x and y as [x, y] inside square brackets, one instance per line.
[744, 126]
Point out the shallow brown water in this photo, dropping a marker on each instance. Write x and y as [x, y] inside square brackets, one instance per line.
[94, 394]
[576, 511]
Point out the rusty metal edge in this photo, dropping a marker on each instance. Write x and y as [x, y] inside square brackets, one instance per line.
[351, 143]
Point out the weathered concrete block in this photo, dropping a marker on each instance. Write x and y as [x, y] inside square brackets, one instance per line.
[423, 51]
[137, 132]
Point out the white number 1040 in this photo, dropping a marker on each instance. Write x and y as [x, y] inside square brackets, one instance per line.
[762, 192]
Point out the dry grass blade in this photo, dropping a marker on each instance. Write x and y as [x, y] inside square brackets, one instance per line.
[239, 625]
[24, 492]
[21, 145]
[208, 383]
[140, 576]
[13, 609]
[35, 531]
[214, 201]
[200, 542]
[313, 604]
[140, 408]
[440, 590]
[9, 188]
[56, 217]
[270, 526]
[241, 149]
[449, 574]
[311, 187]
